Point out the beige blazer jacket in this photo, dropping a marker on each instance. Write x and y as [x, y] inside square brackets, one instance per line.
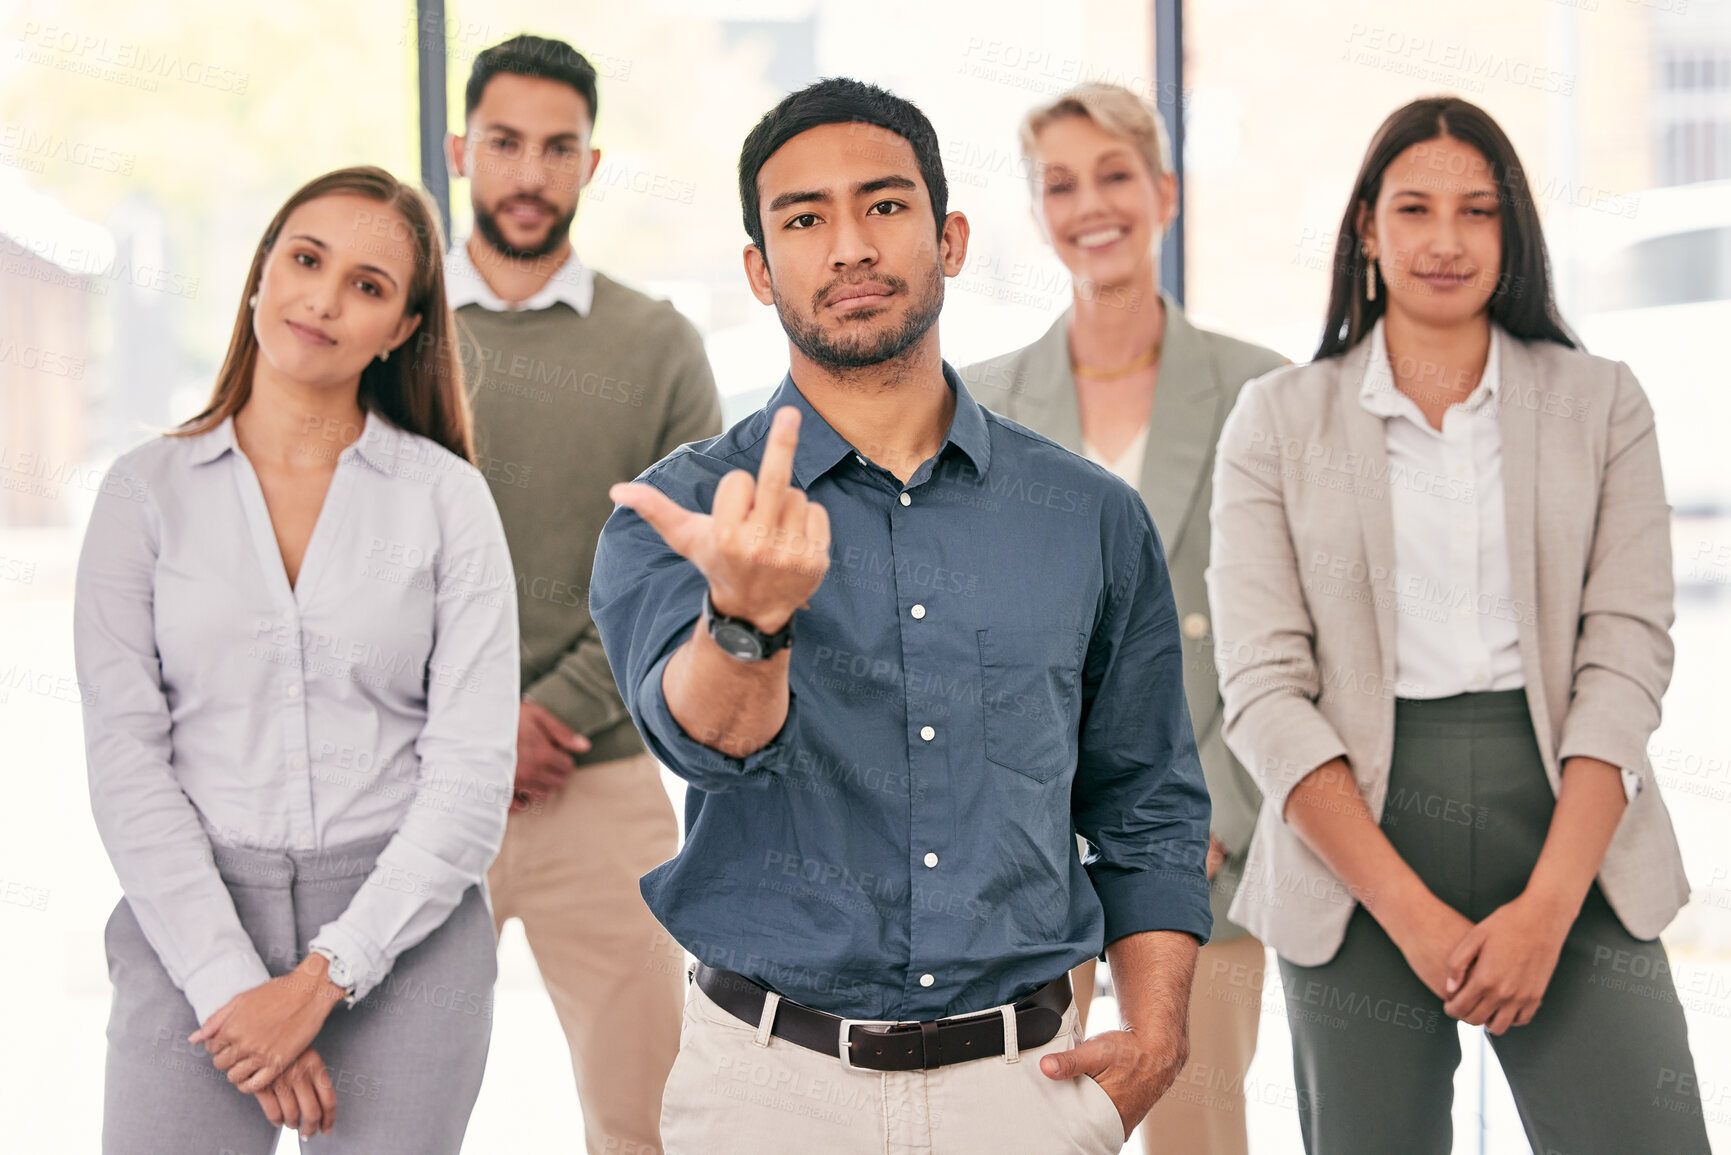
[1304, 613]
[1201, 373]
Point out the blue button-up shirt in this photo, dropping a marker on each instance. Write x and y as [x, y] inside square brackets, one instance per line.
[991, 666]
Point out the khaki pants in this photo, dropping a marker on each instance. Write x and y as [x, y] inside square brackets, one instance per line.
[1203, 1112]
[737, 1090]
[569, 870]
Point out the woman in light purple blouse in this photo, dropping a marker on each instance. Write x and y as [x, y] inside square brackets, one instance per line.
[298, 619]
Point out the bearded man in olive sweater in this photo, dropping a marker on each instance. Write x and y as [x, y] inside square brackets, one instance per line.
[578, 382]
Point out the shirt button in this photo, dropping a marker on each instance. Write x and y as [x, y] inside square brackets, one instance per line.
[294, 691]
[931, 858]
[928, 733]
[1195, 625]
[1466, 611]
[918, 612]
[297, 762]
[927, 980]
[906, 500]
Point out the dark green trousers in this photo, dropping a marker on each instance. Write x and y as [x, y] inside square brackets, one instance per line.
[1603, 1068]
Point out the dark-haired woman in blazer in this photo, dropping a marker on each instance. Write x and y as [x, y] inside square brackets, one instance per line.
[1441, 583]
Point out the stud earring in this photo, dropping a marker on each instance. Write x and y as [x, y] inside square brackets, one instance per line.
[385, 355]
[252, 301]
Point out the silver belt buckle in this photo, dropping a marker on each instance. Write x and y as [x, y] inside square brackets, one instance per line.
[844, 1045]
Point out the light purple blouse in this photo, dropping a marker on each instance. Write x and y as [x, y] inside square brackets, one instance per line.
[377, 697]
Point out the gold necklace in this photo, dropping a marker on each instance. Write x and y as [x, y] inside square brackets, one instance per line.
[1152, 357]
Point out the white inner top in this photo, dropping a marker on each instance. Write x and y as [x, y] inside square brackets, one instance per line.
[1129, 463]
[1456, 620]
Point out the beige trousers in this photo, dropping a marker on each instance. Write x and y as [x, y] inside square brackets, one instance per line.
[569, 870]
[1203, 1112]
[737, 1090]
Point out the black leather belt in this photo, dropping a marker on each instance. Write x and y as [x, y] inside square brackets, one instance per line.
[902, 1047]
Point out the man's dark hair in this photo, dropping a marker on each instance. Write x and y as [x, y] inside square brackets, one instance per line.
[838, 100]
[536, 56]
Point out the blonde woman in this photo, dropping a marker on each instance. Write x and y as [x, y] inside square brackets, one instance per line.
[1124, 379]
[298, 613]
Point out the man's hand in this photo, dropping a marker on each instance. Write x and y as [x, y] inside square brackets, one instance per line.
[544, 749]
[1427, 933]
[763, 546]
[302, 1097]
[1152, 971]
[1498, 973]
[256, 1034]
[1132, 1070]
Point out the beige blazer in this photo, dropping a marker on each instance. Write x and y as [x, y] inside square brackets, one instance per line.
[1200, 375]
[1304, 612]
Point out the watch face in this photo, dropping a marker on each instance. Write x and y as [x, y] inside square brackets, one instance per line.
[737, 642]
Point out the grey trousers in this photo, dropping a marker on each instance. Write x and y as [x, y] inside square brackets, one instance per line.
[1596, 1070]
[405, 1061]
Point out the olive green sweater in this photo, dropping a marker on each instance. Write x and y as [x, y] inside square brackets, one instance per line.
[566, 405]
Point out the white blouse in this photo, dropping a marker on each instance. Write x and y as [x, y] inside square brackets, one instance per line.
[1457, 626]
[378, 696]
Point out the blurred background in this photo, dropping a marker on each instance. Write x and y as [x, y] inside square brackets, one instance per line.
[144, 145]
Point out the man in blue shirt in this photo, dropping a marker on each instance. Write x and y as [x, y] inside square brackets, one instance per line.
[882, 819]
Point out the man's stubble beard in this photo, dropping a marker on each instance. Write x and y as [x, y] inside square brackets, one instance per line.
[869, 350]
[487, 224]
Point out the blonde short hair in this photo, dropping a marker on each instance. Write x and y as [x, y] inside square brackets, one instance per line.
[1117, 111]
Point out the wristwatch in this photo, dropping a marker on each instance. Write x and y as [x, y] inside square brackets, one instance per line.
[338, 972]
[740, 639]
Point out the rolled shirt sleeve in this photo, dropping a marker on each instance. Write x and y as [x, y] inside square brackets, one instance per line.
[1139, 796]
[645, 600]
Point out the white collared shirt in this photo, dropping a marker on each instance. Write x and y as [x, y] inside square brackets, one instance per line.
[377, 696]
[573, 283]
[1457, 626]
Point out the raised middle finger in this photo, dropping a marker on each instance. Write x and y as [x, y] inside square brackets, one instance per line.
[775, 472]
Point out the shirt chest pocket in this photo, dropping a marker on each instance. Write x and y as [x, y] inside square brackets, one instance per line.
[1029, 696]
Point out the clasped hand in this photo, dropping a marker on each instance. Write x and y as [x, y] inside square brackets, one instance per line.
[262, 1038]
[1491, 974]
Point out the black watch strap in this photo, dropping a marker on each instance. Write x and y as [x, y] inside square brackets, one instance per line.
[740, 638]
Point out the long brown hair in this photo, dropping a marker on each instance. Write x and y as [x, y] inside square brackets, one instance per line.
[420, 389]
[1522, 302]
